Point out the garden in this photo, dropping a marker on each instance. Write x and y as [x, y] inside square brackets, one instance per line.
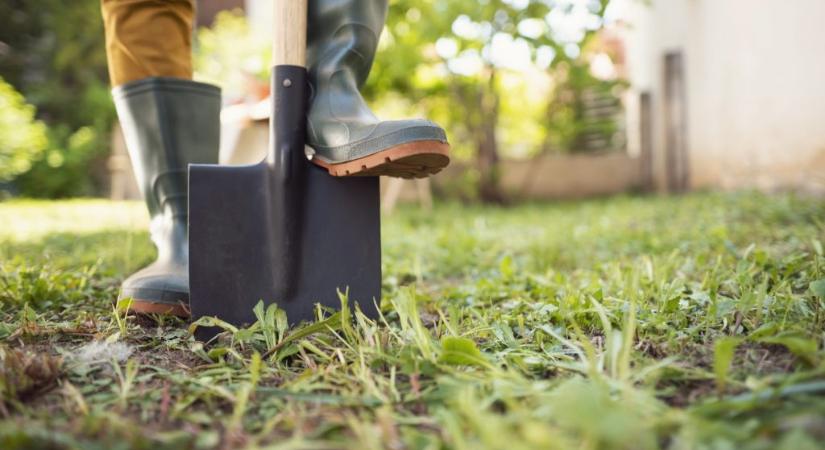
[630, 322]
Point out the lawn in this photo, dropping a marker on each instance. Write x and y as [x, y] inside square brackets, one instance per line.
[624, 323]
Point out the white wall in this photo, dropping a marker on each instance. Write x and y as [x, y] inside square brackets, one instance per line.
[755, 87]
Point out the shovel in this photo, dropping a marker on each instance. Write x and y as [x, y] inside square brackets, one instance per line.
[283, 231]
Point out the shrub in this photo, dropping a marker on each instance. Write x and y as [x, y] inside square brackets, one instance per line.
[68, 166]
[53, 53]
[22, 138]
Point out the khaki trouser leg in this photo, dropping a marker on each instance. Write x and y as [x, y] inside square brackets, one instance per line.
[148, 38]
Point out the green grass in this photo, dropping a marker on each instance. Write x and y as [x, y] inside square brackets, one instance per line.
[626, 323]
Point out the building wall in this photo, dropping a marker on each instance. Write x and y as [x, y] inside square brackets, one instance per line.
[570, 176]
[755, 74]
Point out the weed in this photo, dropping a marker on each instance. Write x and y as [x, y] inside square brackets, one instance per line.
[688, 322]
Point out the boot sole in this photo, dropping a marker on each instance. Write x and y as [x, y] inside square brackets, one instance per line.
[146, 307]
[146, 301]
[418, 159]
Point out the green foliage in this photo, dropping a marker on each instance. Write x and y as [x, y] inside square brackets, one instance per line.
[436, 59]
[723, 352]
[569, 125]
[445, 60]
[625, 419]
[592, 324]
[54, 55]
[42, 287]
[68, 166]
[22, 138]
[461, 352]
[228, 53]
[818, 288]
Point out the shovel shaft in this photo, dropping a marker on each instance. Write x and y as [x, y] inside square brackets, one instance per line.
[287, 174]
[287, 163]
[288, 123]
[289, 46]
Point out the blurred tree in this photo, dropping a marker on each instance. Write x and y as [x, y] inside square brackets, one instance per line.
[228, 53]
[53, 52]
[22, 138]
[584, 113]
[446, 57]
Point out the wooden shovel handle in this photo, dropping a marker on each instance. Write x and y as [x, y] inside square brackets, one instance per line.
[289, 46]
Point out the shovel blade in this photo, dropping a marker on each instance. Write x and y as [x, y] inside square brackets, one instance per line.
[235, 241]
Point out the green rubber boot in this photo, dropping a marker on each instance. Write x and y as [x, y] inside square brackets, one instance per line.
[168, 124]
[347, 138]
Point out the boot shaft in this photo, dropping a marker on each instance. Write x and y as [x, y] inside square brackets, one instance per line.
[343, 35]
[168, 124]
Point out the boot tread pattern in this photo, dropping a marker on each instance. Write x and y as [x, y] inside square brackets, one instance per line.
[412, 160]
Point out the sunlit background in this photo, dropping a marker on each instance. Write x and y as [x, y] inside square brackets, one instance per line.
[517, 311]
[542, 99]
